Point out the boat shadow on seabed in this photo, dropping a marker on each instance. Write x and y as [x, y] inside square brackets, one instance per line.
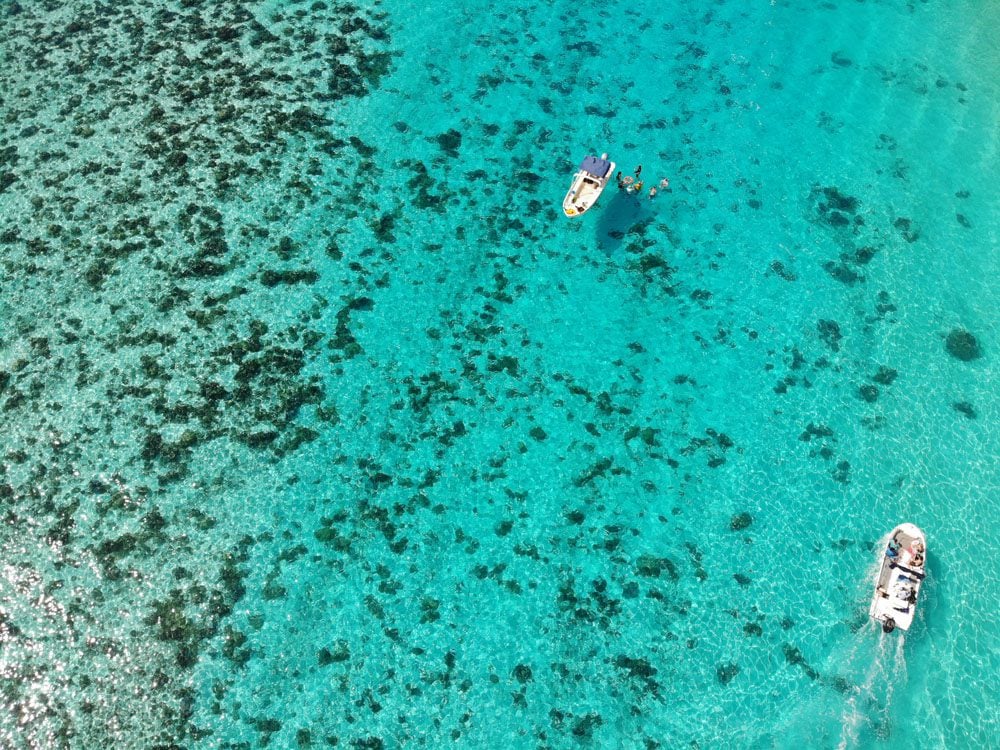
[620, 214]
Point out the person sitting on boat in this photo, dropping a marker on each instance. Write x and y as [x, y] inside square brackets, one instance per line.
[893, 549]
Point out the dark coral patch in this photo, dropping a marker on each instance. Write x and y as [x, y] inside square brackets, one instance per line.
[906, 228]
[598, 469]
[829, 332]
[885, 375]
[779, 268]
[272, 278]
[863, 255]
[740, 521]
[340, 652]
[963, 345]
[584, 727]
[450, 142]
[725, 673]
[837, 201]
[639, 669]
[868, 393]
[538, 433]
[964, 407]
[651, 566]
[794, 657]
[843, 273]
[522, 673]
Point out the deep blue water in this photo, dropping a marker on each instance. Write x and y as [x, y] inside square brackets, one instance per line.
[323, 427]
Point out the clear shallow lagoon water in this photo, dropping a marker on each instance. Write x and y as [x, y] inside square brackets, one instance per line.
[323, 427]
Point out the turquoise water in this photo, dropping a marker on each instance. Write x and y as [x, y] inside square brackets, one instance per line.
[323, 427]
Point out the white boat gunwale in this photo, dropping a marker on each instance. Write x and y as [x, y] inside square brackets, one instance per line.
[588, 184]
[901, 573]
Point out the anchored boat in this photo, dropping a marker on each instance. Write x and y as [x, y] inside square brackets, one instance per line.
[588, 184]
[897, 585]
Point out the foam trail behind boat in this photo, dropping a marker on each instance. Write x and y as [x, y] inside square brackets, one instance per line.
[898, 665]
[886, 666]
[865, 693]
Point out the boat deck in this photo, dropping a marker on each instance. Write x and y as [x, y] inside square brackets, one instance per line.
[588, 184]
[898, 583]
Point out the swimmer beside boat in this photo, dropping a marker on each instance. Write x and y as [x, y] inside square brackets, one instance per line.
[634, 185]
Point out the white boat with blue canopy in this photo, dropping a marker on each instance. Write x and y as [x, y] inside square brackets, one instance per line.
[900, 574]
[588, 184]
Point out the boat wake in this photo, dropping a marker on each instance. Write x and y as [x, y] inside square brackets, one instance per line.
[881, 669]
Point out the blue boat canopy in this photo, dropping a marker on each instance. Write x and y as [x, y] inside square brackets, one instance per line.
[597, 167]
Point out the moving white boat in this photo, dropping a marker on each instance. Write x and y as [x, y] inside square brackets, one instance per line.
[897, 585]
[588, 184]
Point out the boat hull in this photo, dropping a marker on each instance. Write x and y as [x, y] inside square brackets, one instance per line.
[584, 191]
[902, 568]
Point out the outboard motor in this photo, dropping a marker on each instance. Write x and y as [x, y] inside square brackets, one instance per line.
[889, 625]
